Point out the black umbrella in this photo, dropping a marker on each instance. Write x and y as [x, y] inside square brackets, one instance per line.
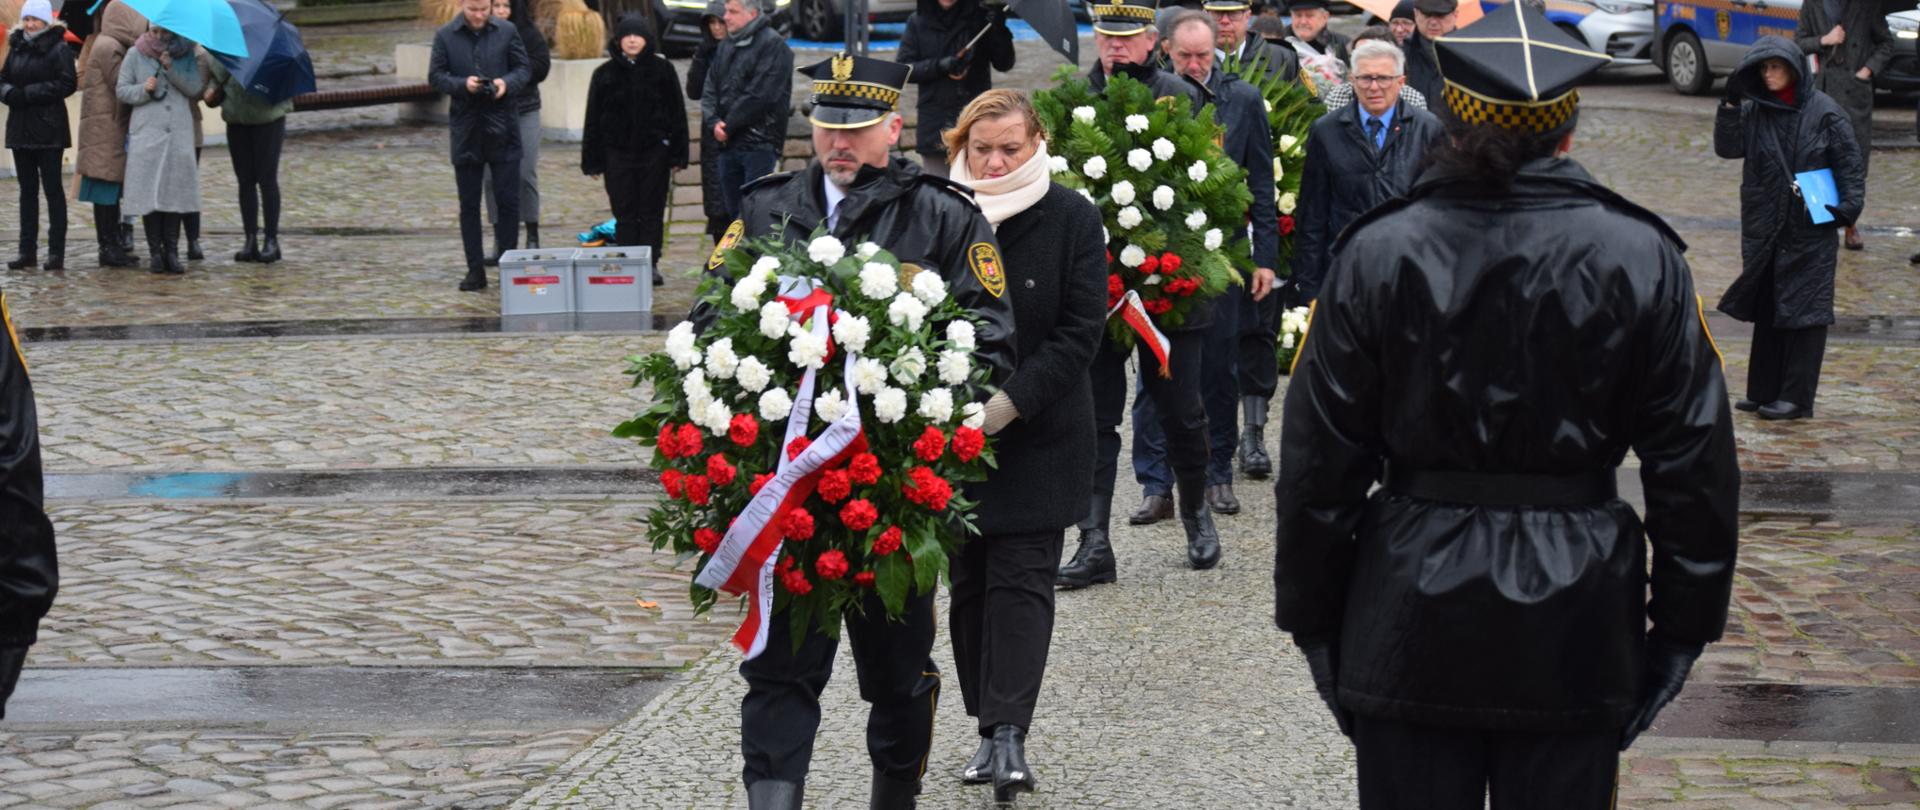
[276, 65]
[1053, 21]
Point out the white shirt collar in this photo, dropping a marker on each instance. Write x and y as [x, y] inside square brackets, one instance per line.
[834, 195]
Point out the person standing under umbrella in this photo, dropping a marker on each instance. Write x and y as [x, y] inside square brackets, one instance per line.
[161, 80]
[102, 162]
[539, 64]
[34, 83]
[256, 129]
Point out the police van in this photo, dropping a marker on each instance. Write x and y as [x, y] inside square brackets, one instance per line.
[1700, 39]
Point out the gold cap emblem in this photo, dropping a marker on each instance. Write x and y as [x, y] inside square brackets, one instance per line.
[842, 67]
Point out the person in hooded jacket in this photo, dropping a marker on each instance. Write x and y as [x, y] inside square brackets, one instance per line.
[1850, 42]
[951, 44]
[636, 133]
[104, 118]
[29, 570]
[539, 64]
[1779, 125]
[713, 200]
[161, 80]
[35, 81]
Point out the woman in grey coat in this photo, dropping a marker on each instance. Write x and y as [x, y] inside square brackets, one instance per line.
[160, 80]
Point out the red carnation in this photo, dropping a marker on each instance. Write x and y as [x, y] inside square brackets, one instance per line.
[1150, 266]
[1109, 256]
[1192, 286]
[796, 582]
[967, 443]
[744, 429]
[1115, 287]
[1170, 262]
[1158, 306]
[669, 441]
[1286, 225]
[887, 543]
[831, 565]
[797, 525]
[835, 486]
[863, 579]
[698, 489]
[720, 470]
[758, 482]
[865, 469]
[689, 439]
[930, 444]
[859, 514]
[797, 446]
[707, 539]
[784, 565]
[674, 481]
[927, 489]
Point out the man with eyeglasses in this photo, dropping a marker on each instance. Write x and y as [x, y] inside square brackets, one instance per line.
[1432, 19]
[1357, 157]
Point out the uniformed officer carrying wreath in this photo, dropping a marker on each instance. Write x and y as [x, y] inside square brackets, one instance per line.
[859, 193]
[1491, 347]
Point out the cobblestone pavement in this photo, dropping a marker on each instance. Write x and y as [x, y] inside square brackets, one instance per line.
[1693, 775]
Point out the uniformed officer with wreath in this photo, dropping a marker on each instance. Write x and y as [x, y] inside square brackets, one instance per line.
[860, 191]
[1490, 347]
[29, 575]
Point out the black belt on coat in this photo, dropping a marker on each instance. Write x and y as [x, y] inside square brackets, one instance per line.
[1503, 489]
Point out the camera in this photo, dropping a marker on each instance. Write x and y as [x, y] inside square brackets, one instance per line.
[487, 90]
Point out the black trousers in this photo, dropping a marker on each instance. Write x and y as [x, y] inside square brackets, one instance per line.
[1258, 366]
[1220, 395]
[1176, 403]
[255, 149]
[1785, 363]
[506, 189]
[1002, 623]
[894, 661]
[637, 188]
[38, 171]
[1404, 766]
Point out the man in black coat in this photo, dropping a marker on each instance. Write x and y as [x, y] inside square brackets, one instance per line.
[1850, 42]
[1240, 48]
[857, 192]
[1358, 157]
[748, 97]
[953, 47]
[1482, 624]
[1241, 112]
[482, 66]
[1432, 19]
[29, 577]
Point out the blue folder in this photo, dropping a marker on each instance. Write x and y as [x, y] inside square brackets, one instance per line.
[1818, 191]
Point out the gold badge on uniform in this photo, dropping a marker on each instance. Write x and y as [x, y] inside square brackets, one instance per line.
[1723, 23]
[726, 243]
[6, 317]
[907, 271]
[984, 258]
[842, 67]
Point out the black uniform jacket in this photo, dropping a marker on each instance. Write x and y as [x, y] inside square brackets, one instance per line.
[28, 576]
[1465, 330]
[1777, 235]
[484, 129]
[925, 220]
[1346, 176]
[34, 83]
[1242, 112]
[934, 32]
[1279, 57]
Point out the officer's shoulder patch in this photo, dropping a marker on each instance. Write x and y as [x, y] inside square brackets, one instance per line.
[777, 178]
[13, 337]
[726, 243]
[984, 258]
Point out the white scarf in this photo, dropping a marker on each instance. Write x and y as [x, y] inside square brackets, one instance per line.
[1002, 197]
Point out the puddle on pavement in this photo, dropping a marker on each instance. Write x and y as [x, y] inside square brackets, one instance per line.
[1771, 712]
[370, 327]
[397, 484]
[332, 697]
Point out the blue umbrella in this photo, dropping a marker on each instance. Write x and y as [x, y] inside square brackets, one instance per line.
[276, 65]
[209, 22]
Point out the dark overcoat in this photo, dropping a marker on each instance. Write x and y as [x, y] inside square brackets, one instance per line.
[750, 87]
[934, 32]
[1345, 176]
[483, 129]
[28, 575]
[35, 81]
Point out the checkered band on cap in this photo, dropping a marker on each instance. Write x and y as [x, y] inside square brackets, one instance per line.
[1120, 11]
[1544, 116]
[1226, 5]
[880, 94]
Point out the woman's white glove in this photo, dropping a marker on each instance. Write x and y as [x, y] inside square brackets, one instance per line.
[1000, 413]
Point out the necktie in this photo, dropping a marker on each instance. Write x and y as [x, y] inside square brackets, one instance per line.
[1375, 131]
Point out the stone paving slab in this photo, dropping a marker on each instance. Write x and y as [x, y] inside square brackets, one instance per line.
[507, 584]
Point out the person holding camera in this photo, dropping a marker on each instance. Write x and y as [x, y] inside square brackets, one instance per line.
[953, 47]
[480, 62]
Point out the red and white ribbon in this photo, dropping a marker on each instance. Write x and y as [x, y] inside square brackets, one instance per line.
[1134, 314]
[744, 562]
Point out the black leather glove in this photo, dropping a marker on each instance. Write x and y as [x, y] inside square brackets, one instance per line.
[11, 660]
[1668, 663]
[1324, 662]
[945, 66]
[1839, 218]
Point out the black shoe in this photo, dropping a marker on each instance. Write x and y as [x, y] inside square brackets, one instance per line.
[1153, 509]
[476, 280]
[1011, 776]
[493, 259]
[1092, 563]
[269, 251]
[978, 770]
[194, 253]
[533, 236]
[112, 256]
[106, 232]
[27, 260]
[1747, 405]
[1221, 500]
[172, 238]
[156, 249]
[893, 794]
[658, 279]
[1203, 540]
[1914, 259]
[1785, 410]
[1254, 461]
[56, 260]
[249, 253]
[772, 794]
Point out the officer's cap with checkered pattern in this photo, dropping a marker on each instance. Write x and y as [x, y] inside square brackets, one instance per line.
[853, 91]
[1514, 69]
[1122, 18]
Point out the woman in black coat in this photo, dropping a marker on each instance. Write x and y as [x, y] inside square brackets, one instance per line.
[1043, 417]
[636, 133]
[1776, 121]
[34, 84]
[713, 199]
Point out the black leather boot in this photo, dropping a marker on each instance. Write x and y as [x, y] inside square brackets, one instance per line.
[28, 259]
[1254, 462]
[170, 239]
[56, 253]
[250, 252]
[475, 281]
[269, 249]
[106, 230]
[1011, 776]
[772, 794]
[979, 769]
[1203, 541]
[533, 236]
[156, 250]
[893, 794]
[1784, 410]
[1093, 562]
[191, 222]
[126, 237]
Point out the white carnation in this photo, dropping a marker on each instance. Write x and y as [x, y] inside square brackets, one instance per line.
[826, 250]
[1163, 148]
[1128, 218]
[1132, 256]
[853, 332]
[753, 375]
[961, 335]
[1287, 142]
[929, 288]
[1139, 160]
[721, 361]
[975, 415]
[696, 389]
[806, 351]
[1083, 114]
[830, 406]
[775, 405]
[680, 346]
[866, 250]
[1286, 341]
[879, 281]
[937, 405]
[906, 311]
[767, 267]
[1287, 202]
[1279, 171]
[774, 319]
[1213, 239]
[1162, 198]
[869, 375]
[1136, 123]
[890, 405]
[1198, 171]
[908, 367]
[954, 367]
[1095, 167]
[1057, 165]
[1122, 193]
[1196, 220]
[748, 291]
[1152, 280]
